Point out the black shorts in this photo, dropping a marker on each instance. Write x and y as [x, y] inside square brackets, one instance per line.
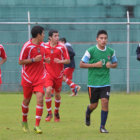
[97, 93]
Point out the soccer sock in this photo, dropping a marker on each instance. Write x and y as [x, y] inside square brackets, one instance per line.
[49, 104]
[70, 84]
[88, 110]
[25, 110]
[57, 105]
[39, 112]
[104, 115]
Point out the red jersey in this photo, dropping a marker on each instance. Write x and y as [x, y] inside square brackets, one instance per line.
[2, 52]
[60, 52]
[33, 73]
[3, 56]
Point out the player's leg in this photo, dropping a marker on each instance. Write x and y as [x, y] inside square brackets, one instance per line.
[0, 78]
[68, 72]
[57, 106]
[39, 110]
[48, 98]
[58, 86]
[27, 91]
[104, 107]
[93, 96]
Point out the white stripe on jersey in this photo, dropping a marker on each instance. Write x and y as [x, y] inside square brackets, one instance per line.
[30, 51]
[26, 79]
[66, 50]
[23, 48]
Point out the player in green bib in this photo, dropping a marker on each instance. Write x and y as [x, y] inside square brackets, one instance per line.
[99, 59]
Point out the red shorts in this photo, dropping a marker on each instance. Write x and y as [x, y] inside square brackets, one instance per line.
[29, 90]
[68, 72]
[54, 83]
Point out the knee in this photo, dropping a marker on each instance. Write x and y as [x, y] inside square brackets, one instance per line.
[57, 96]
[40, 100]
[105, 104]
[48, 91]
[26, 102]
[93, 106]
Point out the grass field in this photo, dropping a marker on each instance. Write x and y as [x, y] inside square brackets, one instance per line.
[123, 120]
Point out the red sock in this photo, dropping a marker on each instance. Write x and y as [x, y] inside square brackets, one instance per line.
[57, 105]
[71, 84]
[24, 112]
[49, 105]
[39, 112]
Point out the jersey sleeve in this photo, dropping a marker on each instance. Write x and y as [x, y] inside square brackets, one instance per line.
[114, 58]
[65, 53]
[3, 53]
[86, 57]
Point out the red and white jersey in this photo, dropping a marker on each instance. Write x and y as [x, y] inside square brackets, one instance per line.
[59, 51]
[3, 56]
[2, 52]
[33, 73]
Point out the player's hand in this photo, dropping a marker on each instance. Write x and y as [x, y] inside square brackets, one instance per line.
[99, 64]
[108, 65]
[47, 60]
[56, 60]
[38, 58]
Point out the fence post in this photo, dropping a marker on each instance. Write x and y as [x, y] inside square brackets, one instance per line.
[29, 26]
[128, 49]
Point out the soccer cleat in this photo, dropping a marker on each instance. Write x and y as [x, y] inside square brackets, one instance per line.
[57, 117]
[76, 90]
[87, 119]
[48, 117]
[103, 130]
[25, 126]
[37, 130]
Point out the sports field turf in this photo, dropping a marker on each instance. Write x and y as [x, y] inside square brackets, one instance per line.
[123, 120]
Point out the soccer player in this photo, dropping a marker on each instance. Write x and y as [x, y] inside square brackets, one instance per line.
[99, 59]
[69, 69]
[3, 60]
[33, 75]
[58, 55]
[138, 52]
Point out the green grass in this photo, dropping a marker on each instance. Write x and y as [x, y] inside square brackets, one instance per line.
[123, 120]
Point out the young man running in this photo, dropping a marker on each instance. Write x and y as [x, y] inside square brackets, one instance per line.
[99, 59]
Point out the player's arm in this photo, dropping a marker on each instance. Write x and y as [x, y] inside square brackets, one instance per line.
[84, 63]
[65, 61]
[3, 56]
[93, 65]
[113, 62]
[29, 61]
[111, 65]
[66, 57]
[3, 60]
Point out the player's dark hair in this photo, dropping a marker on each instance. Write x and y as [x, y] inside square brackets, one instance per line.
[36, 30]
[102, 32]
[51, 32]
[63, 40]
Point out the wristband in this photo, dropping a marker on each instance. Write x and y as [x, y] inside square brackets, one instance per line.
[33, 60]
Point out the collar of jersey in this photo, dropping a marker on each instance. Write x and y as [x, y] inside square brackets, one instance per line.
[51, 46]
[35, 44]
[100, 49]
